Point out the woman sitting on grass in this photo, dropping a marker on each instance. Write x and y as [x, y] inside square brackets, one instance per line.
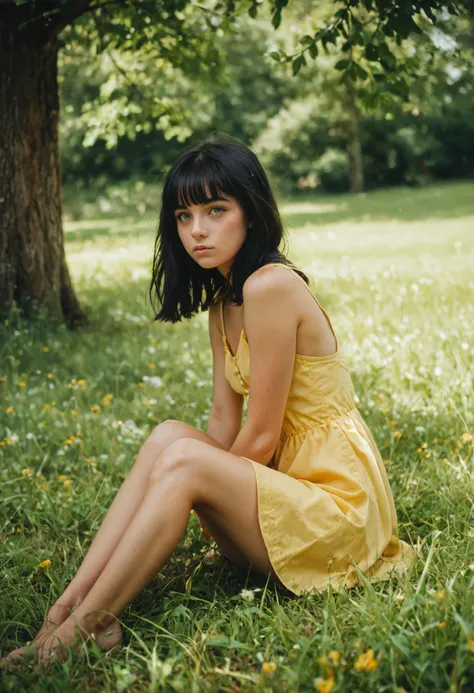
[299, 493]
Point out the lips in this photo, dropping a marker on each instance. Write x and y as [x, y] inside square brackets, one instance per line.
[201, 247]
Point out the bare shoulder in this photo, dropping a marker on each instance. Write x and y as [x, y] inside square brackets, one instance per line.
[270, 280]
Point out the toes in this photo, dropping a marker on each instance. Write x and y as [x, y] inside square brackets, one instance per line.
[19, 658]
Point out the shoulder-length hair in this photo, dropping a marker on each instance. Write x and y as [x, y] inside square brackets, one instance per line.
[225, 165]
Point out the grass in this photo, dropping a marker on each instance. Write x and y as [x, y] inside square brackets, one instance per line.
[394, 270]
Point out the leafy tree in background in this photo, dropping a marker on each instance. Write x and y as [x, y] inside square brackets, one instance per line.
[33, 270]
[419, 128]
[247, 90]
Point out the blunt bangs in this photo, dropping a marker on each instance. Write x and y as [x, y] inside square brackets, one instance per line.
[188, 185]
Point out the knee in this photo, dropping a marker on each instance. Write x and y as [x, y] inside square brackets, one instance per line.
[173, 459]
[166, 430]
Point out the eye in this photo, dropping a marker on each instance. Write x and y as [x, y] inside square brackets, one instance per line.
[219, 209]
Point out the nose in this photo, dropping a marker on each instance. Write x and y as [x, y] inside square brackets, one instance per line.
[198, 231]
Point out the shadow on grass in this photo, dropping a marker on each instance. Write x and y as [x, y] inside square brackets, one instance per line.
[441, 201]
[111, 227]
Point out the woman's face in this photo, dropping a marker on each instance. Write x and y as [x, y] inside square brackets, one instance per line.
[219, 225]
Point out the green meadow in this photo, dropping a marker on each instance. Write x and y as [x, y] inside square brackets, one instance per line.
[394, 270]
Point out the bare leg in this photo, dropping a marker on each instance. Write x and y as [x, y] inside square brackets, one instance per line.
[116, 522]
[188, 473]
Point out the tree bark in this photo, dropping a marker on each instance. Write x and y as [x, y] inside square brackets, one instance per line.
[33, 269]
[357, 181]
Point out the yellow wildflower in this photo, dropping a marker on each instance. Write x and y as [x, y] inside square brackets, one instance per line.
[74, 412]
[50, 376]
[107, 399]
[366, 661]
[440, 596]
[46, 406]
[67, 482]
[151, 366]
[466, 436]
[81, 383]
[268, 667]
[61, 477]
[324, 685]
[26, 471]
[442, 625]
[334, 656]
[397, 434]
[10, 410]
[45, 564]
[20, 383]
[470, 645]
[45, 348]
[95, 409]
[322, 660]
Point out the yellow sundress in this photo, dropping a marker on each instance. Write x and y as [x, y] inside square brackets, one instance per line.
[326, 503]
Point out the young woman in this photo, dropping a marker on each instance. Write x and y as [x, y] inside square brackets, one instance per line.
[298, 493]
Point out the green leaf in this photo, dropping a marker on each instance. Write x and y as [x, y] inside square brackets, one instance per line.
[306, 40]
[223, 641]
[371, 52]
[297, 64]
[361, 73]
[276, 19]
[414, 28]
[400, 646]
[275, 55]
[313, 51]
[342, 64]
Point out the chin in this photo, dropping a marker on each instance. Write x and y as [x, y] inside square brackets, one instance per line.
[207, 262]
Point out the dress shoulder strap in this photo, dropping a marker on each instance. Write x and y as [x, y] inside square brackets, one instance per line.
[221, 310]
[280, 264]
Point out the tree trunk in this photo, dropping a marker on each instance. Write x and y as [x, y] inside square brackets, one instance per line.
[33, 270]
[354, 147]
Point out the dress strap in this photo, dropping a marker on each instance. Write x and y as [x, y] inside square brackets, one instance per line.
[280, 264]
[221, 302]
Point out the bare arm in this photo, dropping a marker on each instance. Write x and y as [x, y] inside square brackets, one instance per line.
[225, 418]
[271, 326]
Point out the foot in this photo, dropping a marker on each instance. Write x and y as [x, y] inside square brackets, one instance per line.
[49, 648]
[109, 636]
[56, 616]
[45, 642]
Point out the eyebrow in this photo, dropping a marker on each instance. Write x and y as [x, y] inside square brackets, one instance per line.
[209, 201]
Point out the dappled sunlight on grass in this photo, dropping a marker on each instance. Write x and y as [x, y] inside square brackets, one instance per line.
[109, 228]
[439, 201]
[310, 208]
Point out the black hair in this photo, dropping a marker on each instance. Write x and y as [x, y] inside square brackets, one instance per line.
[227, 166]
